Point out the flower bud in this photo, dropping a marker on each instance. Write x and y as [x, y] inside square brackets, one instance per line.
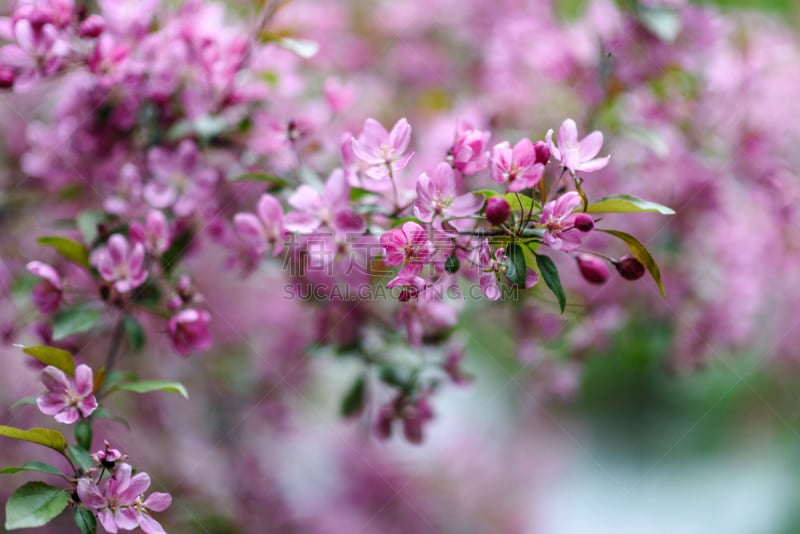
[497, 210]
[629, 268]
[542, 152]
[92, 27]
[584, 222]
[6, 78]
[593, 269]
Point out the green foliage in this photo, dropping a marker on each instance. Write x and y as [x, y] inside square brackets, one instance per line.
[74, 320]
[134, 332]
[43, 436]
[642, 254]
[56, 357]
[83, 434]
[148, 386]
[41, 467]
[627, 204]
[68, 248]
[516, 269]
[549, 272]
[353, 401]
[34, 504]
[80, 457]
[85, 520]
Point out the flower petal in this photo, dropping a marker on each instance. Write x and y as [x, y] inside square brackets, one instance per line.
[158, 502]
[83, 380]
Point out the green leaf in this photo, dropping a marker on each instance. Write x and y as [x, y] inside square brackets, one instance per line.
[550, 274]
[134, 332]
[34, 504]
[488, 193]
[627, 204]
[402, 220]
[87, 222]
[525, 201]
[85, 520]
[80, 457]
[56, 357]
[43, 436]
[353, 401]
[75, 320]
[357, 193]
[33, 466]
[390, 375]
[516, 270]
[69, 248]
[302, 47]
[452, 265]
[642, 254]
[83, 434]
[102, 413]
[663, 22]
[147, 386]
[170, 258]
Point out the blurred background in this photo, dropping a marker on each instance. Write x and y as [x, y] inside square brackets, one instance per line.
[628, 414]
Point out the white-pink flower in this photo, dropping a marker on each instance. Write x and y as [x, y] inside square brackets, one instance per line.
[383, 152]
[559, 222]
[330, 209]
[117, 262]
[408, 246]
[265, 230]
[516, 167]
[68, 399]
[437, 196]
[577, 155]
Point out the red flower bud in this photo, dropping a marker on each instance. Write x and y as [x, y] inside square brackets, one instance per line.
[593, 269]
[497, 210]
[542, 152]
[629, 268]
[6, 78]
[92, 27]
[584, 222]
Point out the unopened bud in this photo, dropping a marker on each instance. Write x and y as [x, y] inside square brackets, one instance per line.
[497, 210]
[6, 78]
[584, 222]
[92, 27]
[593, 269]
[542, 152]
[629, 268]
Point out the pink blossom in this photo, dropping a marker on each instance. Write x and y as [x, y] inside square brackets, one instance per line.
[330, 209]
[559, 222]
[180, 179]
[493, 271]
[516, 167]
[47, 294]
[189, 331]
[577, 155]
[120, 264]
[119, 503]
[469, 152]
[408, 246]
[67, 399]
[265, 230]
[39, 51]
[338, 96]
[436, 196]
[383, 152]
[154, 234]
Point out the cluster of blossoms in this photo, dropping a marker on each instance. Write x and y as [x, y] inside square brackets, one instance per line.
[183, 146]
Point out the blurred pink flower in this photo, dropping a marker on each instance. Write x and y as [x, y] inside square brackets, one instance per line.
[47, 293]
[331, 208]
[154, 234]
[516, 167]
[67, 400]
[120, 264]
[189, 331]
[577, 155]
[436, 196]
[264, 231]
[469, 152]
[382, 151]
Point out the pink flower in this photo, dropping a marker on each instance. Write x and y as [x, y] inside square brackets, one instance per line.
[330, 209]
[47, 293]
[180, 179]
[117, 263]
[516, 167]
[118, 501]
[154, 234]
[264, 231]
[577, 155]
[189, 331]
[493, 271]
[408, 246]
[382, 151]
[559, 222]
[469, 154]
[67, 400]
[436, 196]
